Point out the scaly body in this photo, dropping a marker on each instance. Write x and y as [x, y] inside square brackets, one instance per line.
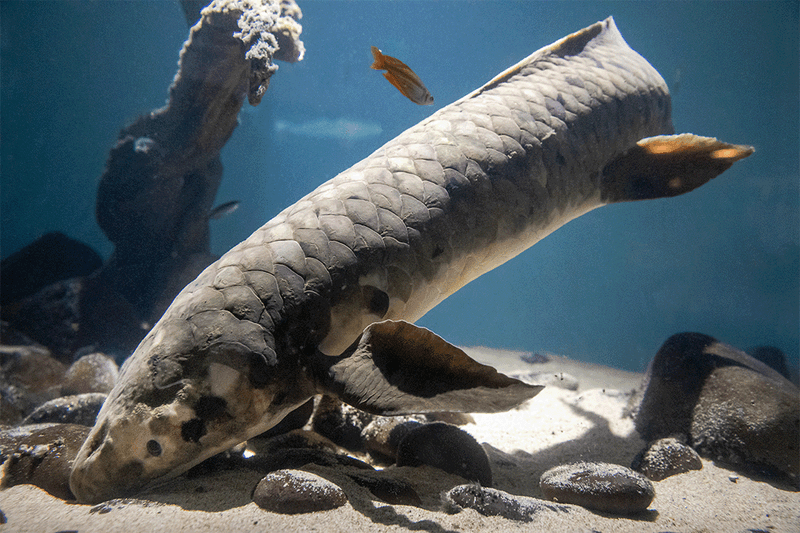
[306, 304]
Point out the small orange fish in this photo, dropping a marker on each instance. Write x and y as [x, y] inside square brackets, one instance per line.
[402, 77]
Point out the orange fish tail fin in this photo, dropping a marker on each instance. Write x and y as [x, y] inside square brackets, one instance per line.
[379, 63]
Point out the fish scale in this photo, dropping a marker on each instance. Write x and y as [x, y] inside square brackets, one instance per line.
[322, 297]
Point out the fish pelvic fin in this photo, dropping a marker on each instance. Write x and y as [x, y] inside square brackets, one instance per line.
[667, 165]
[398, 368]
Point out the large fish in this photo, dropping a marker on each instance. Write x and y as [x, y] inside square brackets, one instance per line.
[321, 298]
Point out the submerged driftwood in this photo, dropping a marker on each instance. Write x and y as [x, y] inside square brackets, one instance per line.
[160, 180]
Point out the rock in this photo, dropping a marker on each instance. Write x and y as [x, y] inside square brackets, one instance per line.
[295, 491]
[561, 380]
[535, 358]
[94, 372]
[71, 314]
[79, 409]
[50, 258]
[446, 447]
[666, 457]
[15, 402]
[41, 455]
[599, 486]
[492, 502]
[340, 422]
[772, 357]
[382, 436]
[393, 491]
[732, 407]
[31, 367]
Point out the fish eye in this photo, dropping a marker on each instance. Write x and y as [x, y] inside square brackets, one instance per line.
[153, 448]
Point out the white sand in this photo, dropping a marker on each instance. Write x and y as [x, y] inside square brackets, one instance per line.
[556, 427]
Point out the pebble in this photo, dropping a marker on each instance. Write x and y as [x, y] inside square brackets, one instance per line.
[382, 436]
[446, 447]
[732, 407]
[666, 457]
[77, 409]
[340, 422]
[492, 502]
[599, 486]
[393, 491]
[295, 491]
[41, 455]
[94, 372]
[31, 367]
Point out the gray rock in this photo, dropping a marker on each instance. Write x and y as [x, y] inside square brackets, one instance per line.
[79, 409]
[382, 436]
[94, 372]
[492, 502]
[599, 486]
[448, 448]
[666, 457]
[41, 455]
[295, 491]
[731, 406]
[340, 422]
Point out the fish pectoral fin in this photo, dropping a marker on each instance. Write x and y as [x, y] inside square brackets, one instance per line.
[667, 165]
[399, 368]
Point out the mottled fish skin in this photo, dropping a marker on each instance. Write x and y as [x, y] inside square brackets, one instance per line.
[460, 193]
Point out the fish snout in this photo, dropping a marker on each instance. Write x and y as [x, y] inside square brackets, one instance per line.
[98, 474]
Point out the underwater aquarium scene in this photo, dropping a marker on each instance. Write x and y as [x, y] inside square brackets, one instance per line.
[400, 264]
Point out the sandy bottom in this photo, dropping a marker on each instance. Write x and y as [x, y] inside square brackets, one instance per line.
[557, 426]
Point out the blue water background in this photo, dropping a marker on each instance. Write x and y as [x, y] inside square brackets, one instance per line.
[609, 287]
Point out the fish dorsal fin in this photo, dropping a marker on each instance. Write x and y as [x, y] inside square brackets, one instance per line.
[572, 44]
[399, 368]
[667, 165]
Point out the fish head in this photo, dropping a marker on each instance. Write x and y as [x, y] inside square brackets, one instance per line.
[177, 402]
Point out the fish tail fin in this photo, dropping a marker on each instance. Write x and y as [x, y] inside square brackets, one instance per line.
[379, 63]
[667, 165]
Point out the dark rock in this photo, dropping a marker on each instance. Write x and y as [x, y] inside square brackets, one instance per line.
[772, 357]
[492, 502]
[295, 491]
[73, 313]
[448, 448]
[340, 422]
[31, 367]
[79, 409]
[733, 407]
[94, 372]
[666, 457]
[15, 402]
[50, 258]
[394, 491]
[599, 486]
[535, 358]
[41, 455]
[383, 435]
